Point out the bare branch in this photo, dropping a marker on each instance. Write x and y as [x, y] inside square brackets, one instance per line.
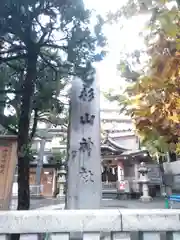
[16, 68]
[43, 37]
[3, 91]
[55, 46]
[45, 120]
[16, 57]
[48, 63]
[44, 30]
[12, 50]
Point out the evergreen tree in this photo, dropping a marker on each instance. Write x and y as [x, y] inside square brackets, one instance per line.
[41, 41]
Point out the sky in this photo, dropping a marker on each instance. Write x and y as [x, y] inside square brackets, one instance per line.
[127, 39]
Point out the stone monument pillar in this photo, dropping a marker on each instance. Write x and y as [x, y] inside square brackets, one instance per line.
[84, 187]
[144, 180]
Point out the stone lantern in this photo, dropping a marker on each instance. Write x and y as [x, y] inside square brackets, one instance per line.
[61, 182]
[144, 181]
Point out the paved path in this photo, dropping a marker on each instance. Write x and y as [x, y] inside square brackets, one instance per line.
[115, 203]
[37, 203]
[106, 203]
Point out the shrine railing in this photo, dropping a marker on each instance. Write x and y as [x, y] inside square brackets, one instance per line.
[109, 185]
[34, 189]
[109, 224]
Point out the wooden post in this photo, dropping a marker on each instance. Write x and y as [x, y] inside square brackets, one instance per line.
[84, 165]
[8, 161]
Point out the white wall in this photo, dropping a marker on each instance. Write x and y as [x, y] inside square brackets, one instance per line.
[172, 168]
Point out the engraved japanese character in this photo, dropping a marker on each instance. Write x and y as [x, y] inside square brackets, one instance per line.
[87, 94]
[85, 145]
[87, 118]
[2, 166]
[74, 152]
[87, 175]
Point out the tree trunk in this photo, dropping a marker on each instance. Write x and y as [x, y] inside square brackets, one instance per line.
[23, 183]
[23, 135]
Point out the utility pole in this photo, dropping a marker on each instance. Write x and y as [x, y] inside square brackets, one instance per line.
[40, 166]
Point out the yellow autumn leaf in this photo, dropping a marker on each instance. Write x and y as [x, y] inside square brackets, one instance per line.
[178, 103]
[153, 109]
[178, 45]
[154, 97]
[163, 1]
[175, 118]
[178, 147]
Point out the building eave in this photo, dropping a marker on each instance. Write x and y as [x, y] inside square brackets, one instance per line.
[113, 144]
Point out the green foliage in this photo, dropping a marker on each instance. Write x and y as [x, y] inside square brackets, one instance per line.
[62, 27]
[58, 158]
[59, 33]
[42, 45]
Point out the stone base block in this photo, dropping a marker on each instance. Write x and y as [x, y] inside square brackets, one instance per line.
[60, 197]
[146, 199]
[76, 236]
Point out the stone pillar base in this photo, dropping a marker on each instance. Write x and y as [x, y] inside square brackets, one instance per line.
[60, 197]
[35, 191]
[146, 199]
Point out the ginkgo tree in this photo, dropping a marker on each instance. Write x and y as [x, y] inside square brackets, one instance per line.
[152, 97]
